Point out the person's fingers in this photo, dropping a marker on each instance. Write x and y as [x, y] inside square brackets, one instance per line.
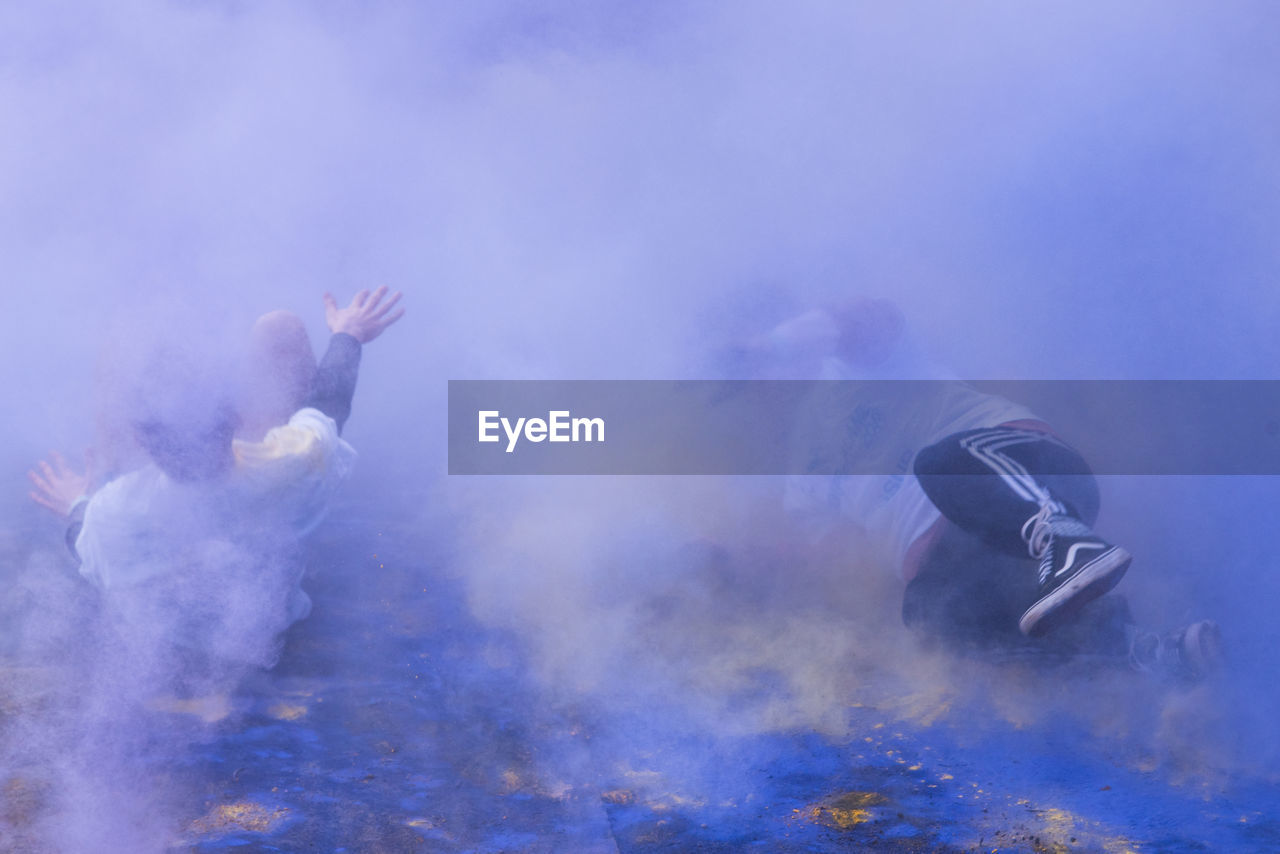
[390, 319]
[330, 304]
[59, 463]
[386, 308]
[376, 298]
[43, 502]
[55, 473]
[376, 326]
[39, 482]
[360, 299]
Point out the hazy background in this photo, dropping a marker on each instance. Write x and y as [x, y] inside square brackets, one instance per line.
[587, 190]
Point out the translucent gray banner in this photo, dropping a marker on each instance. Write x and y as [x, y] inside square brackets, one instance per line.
[657, 427]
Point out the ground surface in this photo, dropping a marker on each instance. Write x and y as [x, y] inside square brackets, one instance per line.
[395, 722]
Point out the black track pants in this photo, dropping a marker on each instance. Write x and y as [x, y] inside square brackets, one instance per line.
[991, 480]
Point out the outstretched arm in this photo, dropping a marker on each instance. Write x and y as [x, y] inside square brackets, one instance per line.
[354, 326]
[61, 489]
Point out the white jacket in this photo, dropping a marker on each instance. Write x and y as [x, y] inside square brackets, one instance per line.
[144, 525]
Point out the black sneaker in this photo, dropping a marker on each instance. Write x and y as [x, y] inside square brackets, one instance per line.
[1076, 567]
[1187, 655]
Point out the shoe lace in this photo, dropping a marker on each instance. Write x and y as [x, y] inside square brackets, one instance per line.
[1036, 532]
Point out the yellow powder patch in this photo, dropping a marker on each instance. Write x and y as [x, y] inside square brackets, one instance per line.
[845, 819]
[924, 708]
[1060, 824]
[287, 711]
[244, 815]
[846, 811]
[209, 709]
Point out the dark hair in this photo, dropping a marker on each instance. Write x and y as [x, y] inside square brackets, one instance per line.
[192, 449]
[181, 407]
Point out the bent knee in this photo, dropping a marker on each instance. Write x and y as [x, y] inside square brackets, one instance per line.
[279, 326]
[934, 459]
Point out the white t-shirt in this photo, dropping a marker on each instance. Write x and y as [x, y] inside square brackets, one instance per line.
[885, 424]
[144, 525]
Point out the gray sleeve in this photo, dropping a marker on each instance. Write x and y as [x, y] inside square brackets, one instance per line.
[335, 380]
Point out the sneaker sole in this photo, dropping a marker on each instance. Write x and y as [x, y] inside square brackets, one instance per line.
[1094, 579]
[1202, 648]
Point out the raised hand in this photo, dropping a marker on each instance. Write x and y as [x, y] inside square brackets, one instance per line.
[57, 485]
[366, 317]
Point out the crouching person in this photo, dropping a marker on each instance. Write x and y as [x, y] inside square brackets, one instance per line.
[196, 553]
